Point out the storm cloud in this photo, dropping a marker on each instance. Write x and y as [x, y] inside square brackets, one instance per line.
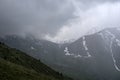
[35, 16]
[57, 20]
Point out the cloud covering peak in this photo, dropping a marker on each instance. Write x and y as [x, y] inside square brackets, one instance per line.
[33, 16]
[57, 20]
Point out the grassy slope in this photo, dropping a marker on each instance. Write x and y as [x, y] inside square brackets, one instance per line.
[11, 71]
[15, 64]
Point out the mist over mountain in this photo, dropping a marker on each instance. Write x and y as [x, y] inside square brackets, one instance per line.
[91, 57]
[78, 38]
[57, 20]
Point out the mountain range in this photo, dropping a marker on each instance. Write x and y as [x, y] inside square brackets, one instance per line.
[91, 57]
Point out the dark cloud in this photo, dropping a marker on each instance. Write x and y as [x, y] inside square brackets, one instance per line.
[56, 20]
[34, 16]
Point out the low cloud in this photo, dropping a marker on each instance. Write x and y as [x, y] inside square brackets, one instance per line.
[36, 17]
[90, 21]
[57, 20]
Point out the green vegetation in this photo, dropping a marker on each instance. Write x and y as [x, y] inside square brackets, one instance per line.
[10, 71]
[16, 65]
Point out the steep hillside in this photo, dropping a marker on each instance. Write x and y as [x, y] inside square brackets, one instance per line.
[11, 71]
[15, 64]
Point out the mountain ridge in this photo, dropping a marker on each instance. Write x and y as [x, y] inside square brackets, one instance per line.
[88, 58]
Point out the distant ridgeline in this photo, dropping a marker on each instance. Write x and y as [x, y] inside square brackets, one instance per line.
[16, 65]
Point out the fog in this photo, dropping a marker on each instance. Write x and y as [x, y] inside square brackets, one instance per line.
[57, 20]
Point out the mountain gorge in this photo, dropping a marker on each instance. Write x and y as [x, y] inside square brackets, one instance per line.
[92, 57]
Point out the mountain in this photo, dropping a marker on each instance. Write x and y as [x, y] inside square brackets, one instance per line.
[92, 57]
[96, 55]
[15, 64]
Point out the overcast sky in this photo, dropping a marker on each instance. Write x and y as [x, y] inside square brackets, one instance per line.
[57, 20]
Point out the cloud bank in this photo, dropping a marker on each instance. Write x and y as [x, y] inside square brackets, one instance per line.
[57, 20]
[37, 17]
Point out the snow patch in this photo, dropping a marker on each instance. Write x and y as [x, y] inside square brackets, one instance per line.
[86, 48]
[118, 42]
[84, 44]
[78, 56]
[89, 54]
[67, 53]
[32, 47]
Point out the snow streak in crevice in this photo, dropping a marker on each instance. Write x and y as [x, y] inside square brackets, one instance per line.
[111, 43]
[113, 57]
[32, 48]
[86, 48]
[109, 37]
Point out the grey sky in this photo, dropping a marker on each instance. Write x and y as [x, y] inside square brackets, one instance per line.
[57, 20]
[45, 16]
